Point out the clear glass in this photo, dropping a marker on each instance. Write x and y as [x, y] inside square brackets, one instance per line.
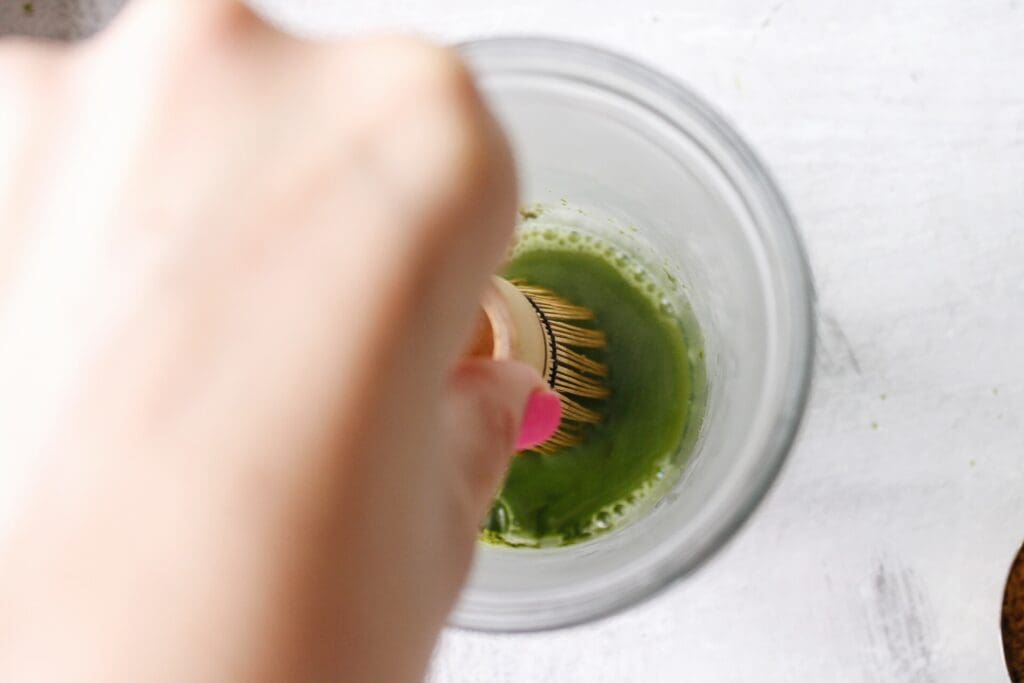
[644, 156]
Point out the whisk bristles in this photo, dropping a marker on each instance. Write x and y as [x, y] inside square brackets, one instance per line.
[573, 375]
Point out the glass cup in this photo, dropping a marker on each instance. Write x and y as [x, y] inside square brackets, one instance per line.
[609, 146]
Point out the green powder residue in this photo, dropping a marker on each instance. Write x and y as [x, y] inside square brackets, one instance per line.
[530, 213]
[585, 490]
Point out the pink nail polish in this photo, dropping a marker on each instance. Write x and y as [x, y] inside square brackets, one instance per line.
[540, 420]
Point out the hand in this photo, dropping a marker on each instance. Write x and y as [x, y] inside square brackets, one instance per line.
[236, 273]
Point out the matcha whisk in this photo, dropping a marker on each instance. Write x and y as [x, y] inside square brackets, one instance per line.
[534, 325]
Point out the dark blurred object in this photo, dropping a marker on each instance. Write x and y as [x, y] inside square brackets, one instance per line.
[1013, 620]
[56, 19]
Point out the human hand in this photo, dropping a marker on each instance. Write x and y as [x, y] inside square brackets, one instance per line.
[236, 273]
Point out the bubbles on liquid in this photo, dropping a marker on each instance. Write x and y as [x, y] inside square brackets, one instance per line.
[549, 235]
[603, 520]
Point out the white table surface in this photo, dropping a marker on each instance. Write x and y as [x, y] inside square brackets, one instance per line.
[897, 132]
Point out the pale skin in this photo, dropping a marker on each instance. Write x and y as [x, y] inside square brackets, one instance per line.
[237, 274]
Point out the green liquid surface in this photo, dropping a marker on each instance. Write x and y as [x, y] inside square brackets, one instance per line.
[582, 491]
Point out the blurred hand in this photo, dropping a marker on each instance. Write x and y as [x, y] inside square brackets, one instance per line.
[236, 273]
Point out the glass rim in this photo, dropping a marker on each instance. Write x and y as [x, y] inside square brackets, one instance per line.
[794, 270]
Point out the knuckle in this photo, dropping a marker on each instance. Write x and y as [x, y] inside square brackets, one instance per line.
[410, 78]
[421, 115]
[182, 37]
[413, 62]
[206, 20]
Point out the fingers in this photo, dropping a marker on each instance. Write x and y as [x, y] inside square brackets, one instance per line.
[419, 200]
[471, 248]
[445, 165]
[402, 136]
[181, 21]
[495, 408]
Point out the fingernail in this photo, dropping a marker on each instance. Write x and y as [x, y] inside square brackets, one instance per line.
[540, 420]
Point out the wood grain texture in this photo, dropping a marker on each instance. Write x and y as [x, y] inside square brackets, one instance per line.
[897, 132]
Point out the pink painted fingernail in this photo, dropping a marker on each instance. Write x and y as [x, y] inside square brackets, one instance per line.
[540, 420]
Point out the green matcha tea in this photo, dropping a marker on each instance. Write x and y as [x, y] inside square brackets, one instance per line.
[576, 493]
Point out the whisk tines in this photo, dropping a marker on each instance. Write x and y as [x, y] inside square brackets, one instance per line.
[571, 373]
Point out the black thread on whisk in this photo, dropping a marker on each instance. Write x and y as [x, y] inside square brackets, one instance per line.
[551, 347]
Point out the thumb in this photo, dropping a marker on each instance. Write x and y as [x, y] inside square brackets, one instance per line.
[495, 408]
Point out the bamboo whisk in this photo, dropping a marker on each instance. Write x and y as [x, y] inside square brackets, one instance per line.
[535, 325]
